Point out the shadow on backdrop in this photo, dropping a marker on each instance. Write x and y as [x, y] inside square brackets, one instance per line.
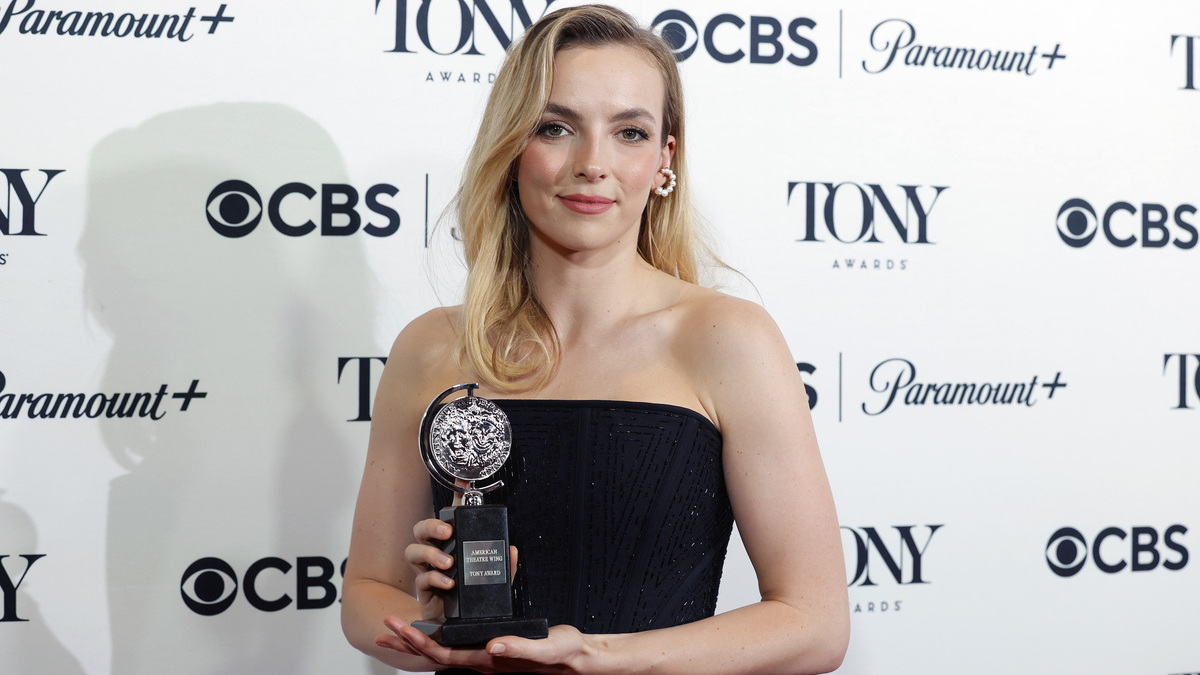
[265, 466]
[27, 646]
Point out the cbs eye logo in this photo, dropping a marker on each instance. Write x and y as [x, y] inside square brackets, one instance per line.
[679, 31]
[234, 209]
[209, 586]
[1077, 223]
[725, 35]
[1067, 550]
[1125, 224]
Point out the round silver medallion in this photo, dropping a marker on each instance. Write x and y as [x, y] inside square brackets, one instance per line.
[470, 438]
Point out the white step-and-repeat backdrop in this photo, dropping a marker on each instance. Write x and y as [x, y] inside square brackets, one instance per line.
[976, 224]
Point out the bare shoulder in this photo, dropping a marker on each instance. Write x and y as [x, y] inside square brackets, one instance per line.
[733, 350]
[429, 339]
[423, 357]
[719, 326]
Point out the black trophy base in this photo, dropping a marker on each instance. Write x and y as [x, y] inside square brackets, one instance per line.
[467, 632]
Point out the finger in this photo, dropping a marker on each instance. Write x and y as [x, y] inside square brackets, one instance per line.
[433, 580]
[512, 557]
[394, 624]
[432, 529]
[394, 640]
[424, 645]
[423, 556]
[420, 644]
[561, 646]
[510, 647]
[395, 643]
[400, 640]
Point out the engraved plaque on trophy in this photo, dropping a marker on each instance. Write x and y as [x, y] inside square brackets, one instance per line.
[468, 439]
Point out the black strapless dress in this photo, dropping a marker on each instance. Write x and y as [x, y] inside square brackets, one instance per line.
[618, 510]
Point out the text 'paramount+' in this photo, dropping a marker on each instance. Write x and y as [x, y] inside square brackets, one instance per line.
[143, 404]
[896, 42]
[897, 376]
[34, 20]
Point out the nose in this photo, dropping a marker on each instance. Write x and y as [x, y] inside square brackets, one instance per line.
[589, 162]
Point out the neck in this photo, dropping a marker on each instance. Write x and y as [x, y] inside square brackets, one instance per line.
[586, 292]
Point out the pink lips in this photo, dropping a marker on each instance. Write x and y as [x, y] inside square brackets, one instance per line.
[590, 204]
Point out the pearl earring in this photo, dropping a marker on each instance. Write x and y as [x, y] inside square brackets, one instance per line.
[664, 191]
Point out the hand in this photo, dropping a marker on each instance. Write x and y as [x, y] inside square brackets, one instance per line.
[562, 652]
[430, 562]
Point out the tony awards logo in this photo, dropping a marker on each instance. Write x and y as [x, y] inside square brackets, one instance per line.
[468, 440]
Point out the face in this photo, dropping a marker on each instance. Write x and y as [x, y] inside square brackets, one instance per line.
[588, 170]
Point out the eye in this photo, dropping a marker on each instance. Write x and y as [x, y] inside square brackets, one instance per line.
[634, 134]
[552, 130]
[234, 208]
[209, 586]
[1076, 223]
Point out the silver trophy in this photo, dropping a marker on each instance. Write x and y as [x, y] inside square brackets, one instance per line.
[467, 440]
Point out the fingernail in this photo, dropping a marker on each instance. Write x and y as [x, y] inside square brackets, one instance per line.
[497, 649]
[444, 561]
[444, 530]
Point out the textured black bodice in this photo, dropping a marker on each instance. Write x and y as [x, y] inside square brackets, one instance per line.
[618, 510]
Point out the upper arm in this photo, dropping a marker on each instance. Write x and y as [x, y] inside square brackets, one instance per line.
[395, 490]
[776, 480]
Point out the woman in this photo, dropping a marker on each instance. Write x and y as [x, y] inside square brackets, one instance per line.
[646, 409]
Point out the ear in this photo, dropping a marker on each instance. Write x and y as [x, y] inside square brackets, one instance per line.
[664, 161]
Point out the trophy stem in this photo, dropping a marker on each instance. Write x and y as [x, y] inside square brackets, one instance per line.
[472, 497]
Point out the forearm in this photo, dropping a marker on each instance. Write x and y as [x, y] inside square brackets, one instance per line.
[365, 603]
[767, 637]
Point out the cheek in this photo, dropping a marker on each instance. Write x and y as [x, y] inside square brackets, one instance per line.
[644, 171]
[531, 203]
[533, 176]
[538, 166]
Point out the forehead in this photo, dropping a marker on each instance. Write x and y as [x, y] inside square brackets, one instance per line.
[614, 76]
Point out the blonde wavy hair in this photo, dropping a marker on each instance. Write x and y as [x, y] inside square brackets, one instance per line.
[506, 333]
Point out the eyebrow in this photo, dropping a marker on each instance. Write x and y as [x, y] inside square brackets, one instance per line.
[633, 113]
